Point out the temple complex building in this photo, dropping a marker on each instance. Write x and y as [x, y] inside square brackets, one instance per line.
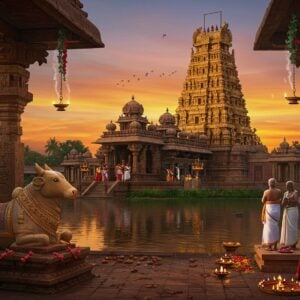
[150, 149]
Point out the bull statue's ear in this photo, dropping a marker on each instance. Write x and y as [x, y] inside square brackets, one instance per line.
[46, 167]
[38, 182]
[39, 170]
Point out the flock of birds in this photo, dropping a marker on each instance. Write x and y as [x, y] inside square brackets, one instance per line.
[144, 76]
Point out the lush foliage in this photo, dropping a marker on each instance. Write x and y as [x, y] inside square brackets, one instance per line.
[55, 150]
[194, 194]
[291, 36]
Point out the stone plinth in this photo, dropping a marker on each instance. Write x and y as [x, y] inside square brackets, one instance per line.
[275, 262]
[44, 272]
[195, 183]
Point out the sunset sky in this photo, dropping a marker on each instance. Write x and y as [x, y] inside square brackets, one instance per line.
[132, 32]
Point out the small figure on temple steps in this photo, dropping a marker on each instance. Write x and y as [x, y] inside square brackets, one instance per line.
[126, 175]
[271, 215]
[289, 229]
[98, 176]
[32, 217]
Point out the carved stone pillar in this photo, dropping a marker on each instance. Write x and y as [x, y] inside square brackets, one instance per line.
[135, 149]
[14, 96]
[292, 171]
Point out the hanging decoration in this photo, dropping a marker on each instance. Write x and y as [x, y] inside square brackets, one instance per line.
[62, 67]
[292, 42]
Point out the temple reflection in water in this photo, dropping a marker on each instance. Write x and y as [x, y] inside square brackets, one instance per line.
[188, 227]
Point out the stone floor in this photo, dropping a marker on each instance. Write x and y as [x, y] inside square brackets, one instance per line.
[158, 277]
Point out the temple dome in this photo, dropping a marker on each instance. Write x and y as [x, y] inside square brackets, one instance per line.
[171, 131]
[87, 154]
[111, 126]
[203, 137]
[151, 127]
[133, 108]
[284, 144]
[74, 152]
[135, 125]
[167, 119]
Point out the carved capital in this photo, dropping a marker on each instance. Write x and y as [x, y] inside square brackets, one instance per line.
[17, 53]
[135, 148]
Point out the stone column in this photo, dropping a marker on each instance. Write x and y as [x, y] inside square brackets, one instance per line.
[292, 171]
[279, 173]
[135, 149]
[14, 96]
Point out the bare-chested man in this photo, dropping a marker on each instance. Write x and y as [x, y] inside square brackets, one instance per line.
[271, 215]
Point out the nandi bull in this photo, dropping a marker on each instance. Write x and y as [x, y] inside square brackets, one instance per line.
[33, 215]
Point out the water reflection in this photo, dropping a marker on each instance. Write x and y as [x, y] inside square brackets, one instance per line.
[163, 226]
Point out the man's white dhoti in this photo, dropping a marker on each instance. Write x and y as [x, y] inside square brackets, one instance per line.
[271, 225]
[289, 227]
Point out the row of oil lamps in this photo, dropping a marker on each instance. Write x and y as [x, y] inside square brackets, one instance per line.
[279, 285]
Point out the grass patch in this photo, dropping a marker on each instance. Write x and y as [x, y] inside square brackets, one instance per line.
[194, 195]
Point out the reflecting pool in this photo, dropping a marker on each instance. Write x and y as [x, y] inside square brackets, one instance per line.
[164, 225]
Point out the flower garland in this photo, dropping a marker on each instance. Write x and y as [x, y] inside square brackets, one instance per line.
[62, 53]
[291, 38]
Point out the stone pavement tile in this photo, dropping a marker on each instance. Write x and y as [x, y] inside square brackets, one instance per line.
[237, 292]
[215, 297]
[148, 295]
[128, 292]
[104, 294]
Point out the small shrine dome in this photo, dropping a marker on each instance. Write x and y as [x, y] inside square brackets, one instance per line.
[111, 126]
[171, 131]
[87, 154]
[135, 125]
[73, 152]
[284, 144]
[183, 135]
[133, 108]
[151, 127]
[203, 137]
[167, 119]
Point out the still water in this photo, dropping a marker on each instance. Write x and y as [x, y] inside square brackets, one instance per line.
[158, 225]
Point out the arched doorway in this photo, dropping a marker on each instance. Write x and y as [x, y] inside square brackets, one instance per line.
[149, 161]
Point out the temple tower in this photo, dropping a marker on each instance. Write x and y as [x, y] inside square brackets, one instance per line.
[212, 102]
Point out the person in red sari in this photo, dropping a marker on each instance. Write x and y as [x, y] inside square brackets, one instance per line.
[98, 174]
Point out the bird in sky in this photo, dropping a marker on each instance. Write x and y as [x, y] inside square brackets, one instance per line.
[164, 35]
[146, 74]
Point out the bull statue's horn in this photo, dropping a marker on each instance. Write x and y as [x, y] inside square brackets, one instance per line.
[46, 167]
[39, 170]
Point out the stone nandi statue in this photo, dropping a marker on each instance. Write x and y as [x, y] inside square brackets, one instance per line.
[33, 215]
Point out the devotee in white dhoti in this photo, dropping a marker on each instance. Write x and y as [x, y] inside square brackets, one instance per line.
[289, 229]
[271, 215]
[126, 173]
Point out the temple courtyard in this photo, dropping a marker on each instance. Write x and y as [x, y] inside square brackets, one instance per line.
[159, 276]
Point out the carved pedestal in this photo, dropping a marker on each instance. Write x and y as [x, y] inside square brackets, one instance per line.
[44, 272]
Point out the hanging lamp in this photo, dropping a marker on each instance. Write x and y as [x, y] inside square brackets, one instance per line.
[60, 105]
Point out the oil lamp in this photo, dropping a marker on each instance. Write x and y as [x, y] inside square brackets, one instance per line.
[221, 272]
[60, 105]
[231, 246]
[293, 99]
[225, 261]
[62, 68]
[280, 286]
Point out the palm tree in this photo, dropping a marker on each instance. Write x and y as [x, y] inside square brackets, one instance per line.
[52, 147]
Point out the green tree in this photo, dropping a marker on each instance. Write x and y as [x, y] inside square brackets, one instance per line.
[68, 145]
[52, 147]
[31, 157]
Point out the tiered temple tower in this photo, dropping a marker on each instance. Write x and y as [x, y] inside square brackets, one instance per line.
[211, 102]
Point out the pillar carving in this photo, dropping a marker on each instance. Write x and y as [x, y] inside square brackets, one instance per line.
[135, 150]
[292, 171]
[14, 96]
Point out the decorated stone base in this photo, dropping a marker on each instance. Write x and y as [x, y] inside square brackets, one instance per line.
[276, 262]
[44, 269]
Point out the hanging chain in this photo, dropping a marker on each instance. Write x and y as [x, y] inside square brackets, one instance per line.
[294, 80]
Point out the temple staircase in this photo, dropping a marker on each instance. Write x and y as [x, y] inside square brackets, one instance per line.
[97, 190]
